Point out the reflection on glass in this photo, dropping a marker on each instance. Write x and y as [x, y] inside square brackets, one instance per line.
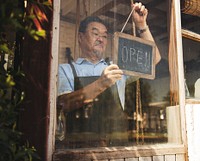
[60, 129]
[191, 39]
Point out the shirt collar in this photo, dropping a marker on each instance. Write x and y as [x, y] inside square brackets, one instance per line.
[83, 60]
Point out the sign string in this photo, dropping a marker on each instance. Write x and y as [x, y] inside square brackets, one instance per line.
[127, 20]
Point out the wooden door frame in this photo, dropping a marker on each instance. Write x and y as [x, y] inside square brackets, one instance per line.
[53, 79]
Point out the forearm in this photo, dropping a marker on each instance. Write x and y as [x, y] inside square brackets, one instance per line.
[148, 36]
[77, 99]
[140, 19]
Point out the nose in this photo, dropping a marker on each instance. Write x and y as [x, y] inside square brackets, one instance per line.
[100, 38]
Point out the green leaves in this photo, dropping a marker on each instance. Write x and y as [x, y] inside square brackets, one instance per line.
[38, 34]
[4, 48]
[10, 151]
[26, 20]
[16, 19]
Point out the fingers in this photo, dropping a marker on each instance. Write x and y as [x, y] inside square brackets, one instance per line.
[139, 15]
[115, 75]
[111, 74]
[113, 69]
[140, 8]
[114, 72]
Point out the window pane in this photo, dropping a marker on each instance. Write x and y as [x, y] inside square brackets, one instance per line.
[191, 47]
[130, 112]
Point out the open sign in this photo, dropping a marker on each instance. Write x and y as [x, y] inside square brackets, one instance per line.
[135, 56]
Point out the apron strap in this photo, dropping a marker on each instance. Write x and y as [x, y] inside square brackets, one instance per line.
[73, 69]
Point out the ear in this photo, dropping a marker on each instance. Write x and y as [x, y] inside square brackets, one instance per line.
[80, 37]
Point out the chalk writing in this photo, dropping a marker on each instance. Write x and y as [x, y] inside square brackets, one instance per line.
[134, 55]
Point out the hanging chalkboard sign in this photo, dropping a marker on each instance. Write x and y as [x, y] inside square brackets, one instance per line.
[135, 56]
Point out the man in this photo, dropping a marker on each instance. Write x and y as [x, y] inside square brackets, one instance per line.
[90, 91]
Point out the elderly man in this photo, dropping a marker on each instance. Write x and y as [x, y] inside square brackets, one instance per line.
[92, 92]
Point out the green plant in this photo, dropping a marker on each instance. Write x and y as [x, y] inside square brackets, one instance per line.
[17, 17]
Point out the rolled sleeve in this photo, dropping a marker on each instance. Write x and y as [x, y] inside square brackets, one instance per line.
[65, 79]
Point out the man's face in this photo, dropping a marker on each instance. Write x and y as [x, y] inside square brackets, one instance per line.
[93, 42]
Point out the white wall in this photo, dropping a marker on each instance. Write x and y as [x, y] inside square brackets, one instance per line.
[193, 131]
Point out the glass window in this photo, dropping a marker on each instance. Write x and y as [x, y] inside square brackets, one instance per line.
[131, 111]
[191, 47]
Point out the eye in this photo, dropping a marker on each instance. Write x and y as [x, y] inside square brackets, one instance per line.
[105, 36]
[94, 33]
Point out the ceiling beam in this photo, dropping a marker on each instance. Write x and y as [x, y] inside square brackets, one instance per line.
[106, 8]
[67, 6]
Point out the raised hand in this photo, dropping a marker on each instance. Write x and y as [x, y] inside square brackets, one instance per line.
[139, 15]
